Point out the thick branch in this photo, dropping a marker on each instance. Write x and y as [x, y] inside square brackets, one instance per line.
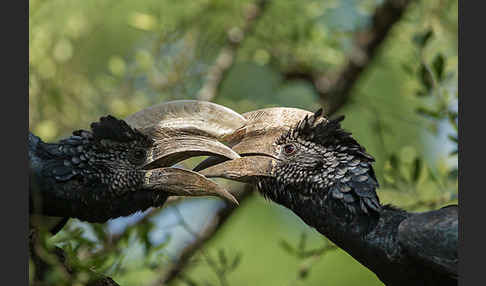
[335, 90]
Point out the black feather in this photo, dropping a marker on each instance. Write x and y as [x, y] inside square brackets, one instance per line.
[114, 129]
[337, 185]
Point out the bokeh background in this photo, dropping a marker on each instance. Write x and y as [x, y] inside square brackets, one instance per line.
[95, 57]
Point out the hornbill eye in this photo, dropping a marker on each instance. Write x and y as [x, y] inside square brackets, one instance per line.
[137, 156]
[289, 149]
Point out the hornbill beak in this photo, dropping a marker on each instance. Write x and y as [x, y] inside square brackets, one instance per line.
[182, 182]
[182, 129]
[186, 128]
[255, 142]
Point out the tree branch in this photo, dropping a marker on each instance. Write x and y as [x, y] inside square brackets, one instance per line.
[335, 90]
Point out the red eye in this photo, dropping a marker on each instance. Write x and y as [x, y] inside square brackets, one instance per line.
[289, 149]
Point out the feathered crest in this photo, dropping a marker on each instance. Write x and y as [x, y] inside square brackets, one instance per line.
[117, 130]
[318, 129]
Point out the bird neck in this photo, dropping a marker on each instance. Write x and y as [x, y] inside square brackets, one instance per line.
[363, 234]
[369, 238]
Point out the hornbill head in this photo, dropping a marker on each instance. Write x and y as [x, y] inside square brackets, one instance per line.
[136, 153]
[302, 160]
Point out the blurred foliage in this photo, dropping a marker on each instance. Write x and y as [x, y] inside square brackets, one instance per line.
[96, 57]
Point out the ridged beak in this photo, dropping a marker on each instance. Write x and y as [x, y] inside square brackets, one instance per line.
[179, 147]
[180, 130]
[255, 142]
[182, 182]
[244, 169]
[186, 128]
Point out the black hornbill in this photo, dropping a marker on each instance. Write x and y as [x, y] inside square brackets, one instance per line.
[310, 165]
[123, 166]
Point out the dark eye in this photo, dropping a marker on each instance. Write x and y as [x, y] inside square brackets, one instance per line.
[289, 149]
[137, 156]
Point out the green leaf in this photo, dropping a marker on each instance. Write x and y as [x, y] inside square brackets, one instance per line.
[438, 65]
[236, 261]
[416, 169]
[143, 231]
[394, 161]
[421, 93]
[453, 174]
[99, 231]
[453, 119]
[222, 258]
[211, 262]
[453, 138]
[421, 39]
[428, 112]
[425, 78]
[389, 180]
[287, 247]
[408, 69]
[303, 273]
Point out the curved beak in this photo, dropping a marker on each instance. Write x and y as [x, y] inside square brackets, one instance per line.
[186, 128]
[182, 182]
[255, 142]
[179, 147]
[244, 169]
[179, 130]
[190, 116]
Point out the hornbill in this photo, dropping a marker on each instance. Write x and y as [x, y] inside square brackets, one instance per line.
[123, 166]
[312, 166]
